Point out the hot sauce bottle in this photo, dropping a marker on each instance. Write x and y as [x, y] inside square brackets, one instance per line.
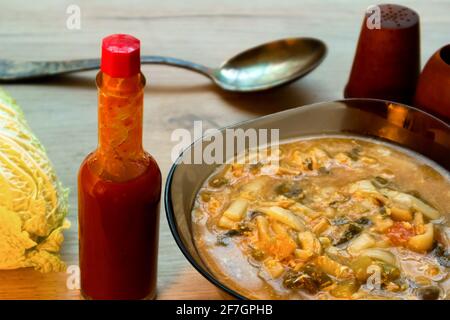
[119, 185]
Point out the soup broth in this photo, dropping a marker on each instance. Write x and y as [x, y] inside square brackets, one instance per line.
[327, 218]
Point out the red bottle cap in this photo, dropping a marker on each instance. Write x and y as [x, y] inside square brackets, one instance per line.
[121, 56]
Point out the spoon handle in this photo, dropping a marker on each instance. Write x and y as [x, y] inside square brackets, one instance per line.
[174, 62]
[11, 71]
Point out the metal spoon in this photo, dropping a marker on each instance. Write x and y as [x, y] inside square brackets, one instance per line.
[260, 68]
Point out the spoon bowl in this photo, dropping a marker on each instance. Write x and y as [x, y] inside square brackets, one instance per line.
[270, 65]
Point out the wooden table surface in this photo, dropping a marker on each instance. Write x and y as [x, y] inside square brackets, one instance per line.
[63, 111]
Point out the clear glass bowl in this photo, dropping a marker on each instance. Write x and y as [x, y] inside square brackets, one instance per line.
[395, 123]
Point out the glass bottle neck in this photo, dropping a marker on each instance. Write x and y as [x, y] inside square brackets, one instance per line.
[120, 117]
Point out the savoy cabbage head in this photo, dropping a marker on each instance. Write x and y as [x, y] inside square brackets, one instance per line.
[33, 204]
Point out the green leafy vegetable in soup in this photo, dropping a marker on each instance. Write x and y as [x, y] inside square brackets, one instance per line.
[337, 218]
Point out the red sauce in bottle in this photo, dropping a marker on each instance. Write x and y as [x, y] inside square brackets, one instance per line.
[119, 186]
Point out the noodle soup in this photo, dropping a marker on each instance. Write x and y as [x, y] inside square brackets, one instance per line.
[336, 217]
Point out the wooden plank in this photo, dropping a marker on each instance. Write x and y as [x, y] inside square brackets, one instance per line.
[201, 31]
